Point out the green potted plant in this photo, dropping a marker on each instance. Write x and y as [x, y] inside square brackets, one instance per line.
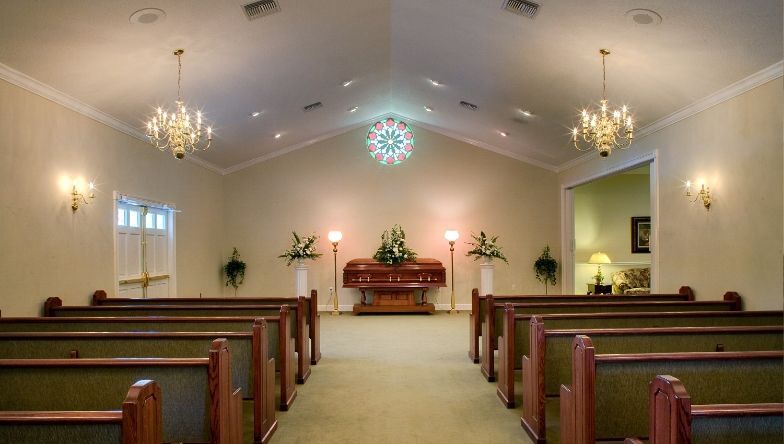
[546, 268]
[485, 247]
[235, 271]
[393, 249]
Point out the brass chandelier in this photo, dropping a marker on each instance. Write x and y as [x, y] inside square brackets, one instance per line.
[604, 130]
[178, 131]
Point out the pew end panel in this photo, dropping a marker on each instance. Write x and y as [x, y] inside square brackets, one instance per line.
[474, 327]
[137, 422]
[99, 296]
[141, 414]
[50, 304]
[506, 360]
[288, 391]
[534, 400]
[487, 357]
[315, 329]
[264, 421]
[567, 416]
[302, 348]
[674, 420]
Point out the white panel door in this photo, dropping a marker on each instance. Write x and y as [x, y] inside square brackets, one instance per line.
[143, 262]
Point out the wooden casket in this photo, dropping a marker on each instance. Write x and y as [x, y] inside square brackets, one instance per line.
[394, 286]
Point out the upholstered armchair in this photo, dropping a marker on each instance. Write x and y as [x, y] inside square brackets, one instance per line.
[632, 281]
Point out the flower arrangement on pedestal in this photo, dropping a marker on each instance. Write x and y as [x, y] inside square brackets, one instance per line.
[485, 247]
[301, 248]
[393, 249]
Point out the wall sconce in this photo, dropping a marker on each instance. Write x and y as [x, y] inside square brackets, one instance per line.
[335, 237]
[703, 194]
[78, 197]
[452, 236]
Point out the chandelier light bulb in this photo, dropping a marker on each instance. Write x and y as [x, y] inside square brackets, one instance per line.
[174, 131]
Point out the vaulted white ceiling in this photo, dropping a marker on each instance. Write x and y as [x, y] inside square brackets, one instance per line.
[500, 61]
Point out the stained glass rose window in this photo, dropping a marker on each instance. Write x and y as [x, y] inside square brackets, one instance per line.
[390, 141]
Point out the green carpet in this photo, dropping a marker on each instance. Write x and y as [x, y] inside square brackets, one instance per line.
[397, 379]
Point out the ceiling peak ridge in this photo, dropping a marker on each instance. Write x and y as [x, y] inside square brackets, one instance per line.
[436, 129]
[53, 94]
[729, 92]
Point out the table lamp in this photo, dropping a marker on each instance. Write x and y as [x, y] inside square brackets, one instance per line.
[335, 237]
[599, 258]
[452, 236]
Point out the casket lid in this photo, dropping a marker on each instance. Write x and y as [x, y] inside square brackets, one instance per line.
[370, 261]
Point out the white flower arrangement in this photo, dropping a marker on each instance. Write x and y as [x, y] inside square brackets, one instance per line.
[301, 248]
[485, 246]
[393, 249]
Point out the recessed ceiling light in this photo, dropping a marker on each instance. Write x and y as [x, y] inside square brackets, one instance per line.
[526, 112]
[435, 82]
[644, 17]
[428, 109]
[353, 109]
[503, 133]
[254, 114]
[277, 136]
[147, 16]
[347, 83]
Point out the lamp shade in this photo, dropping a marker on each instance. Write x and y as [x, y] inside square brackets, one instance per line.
[599, 258]
[335, 236]
[451, 235]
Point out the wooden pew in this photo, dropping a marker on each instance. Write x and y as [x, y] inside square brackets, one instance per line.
[279, 350]
[311, 309]
[551, 354]
[200, 403]
[674, 420]
[252, 369]
[478, 304]
[608, 395]
[138, 421]
[494, 316]
[53, 308]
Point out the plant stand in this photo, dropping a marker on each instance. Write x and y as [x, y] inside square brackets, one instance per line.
[301, 278]
[487, 269]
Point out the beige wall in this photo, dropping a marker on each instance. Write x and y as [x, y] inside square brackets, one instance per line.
[736, 147]
[48, 250]
[602, 222]
[334, 184]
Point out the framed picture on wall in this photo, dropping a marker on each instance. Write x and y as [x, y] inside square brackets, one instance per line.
[641, 234]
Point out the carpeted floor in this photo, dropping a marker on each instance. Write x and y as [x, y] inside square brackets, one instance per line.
[397, 379]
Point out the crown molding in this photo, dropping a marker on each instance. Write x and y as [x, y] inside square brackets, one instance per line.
[433, 128]
[205, 164]
[288, 149]
[477, 143]
[39, 88]
[759, 78]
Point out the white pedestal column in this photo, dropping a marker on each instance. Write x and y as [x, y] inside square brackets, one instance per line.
[487, 268]
[301, 276]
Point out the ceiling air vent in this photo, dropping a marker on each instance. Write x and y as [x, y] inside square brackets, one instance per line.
[312, 106]
[521, 7]
[467, 105]
[260, 8]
